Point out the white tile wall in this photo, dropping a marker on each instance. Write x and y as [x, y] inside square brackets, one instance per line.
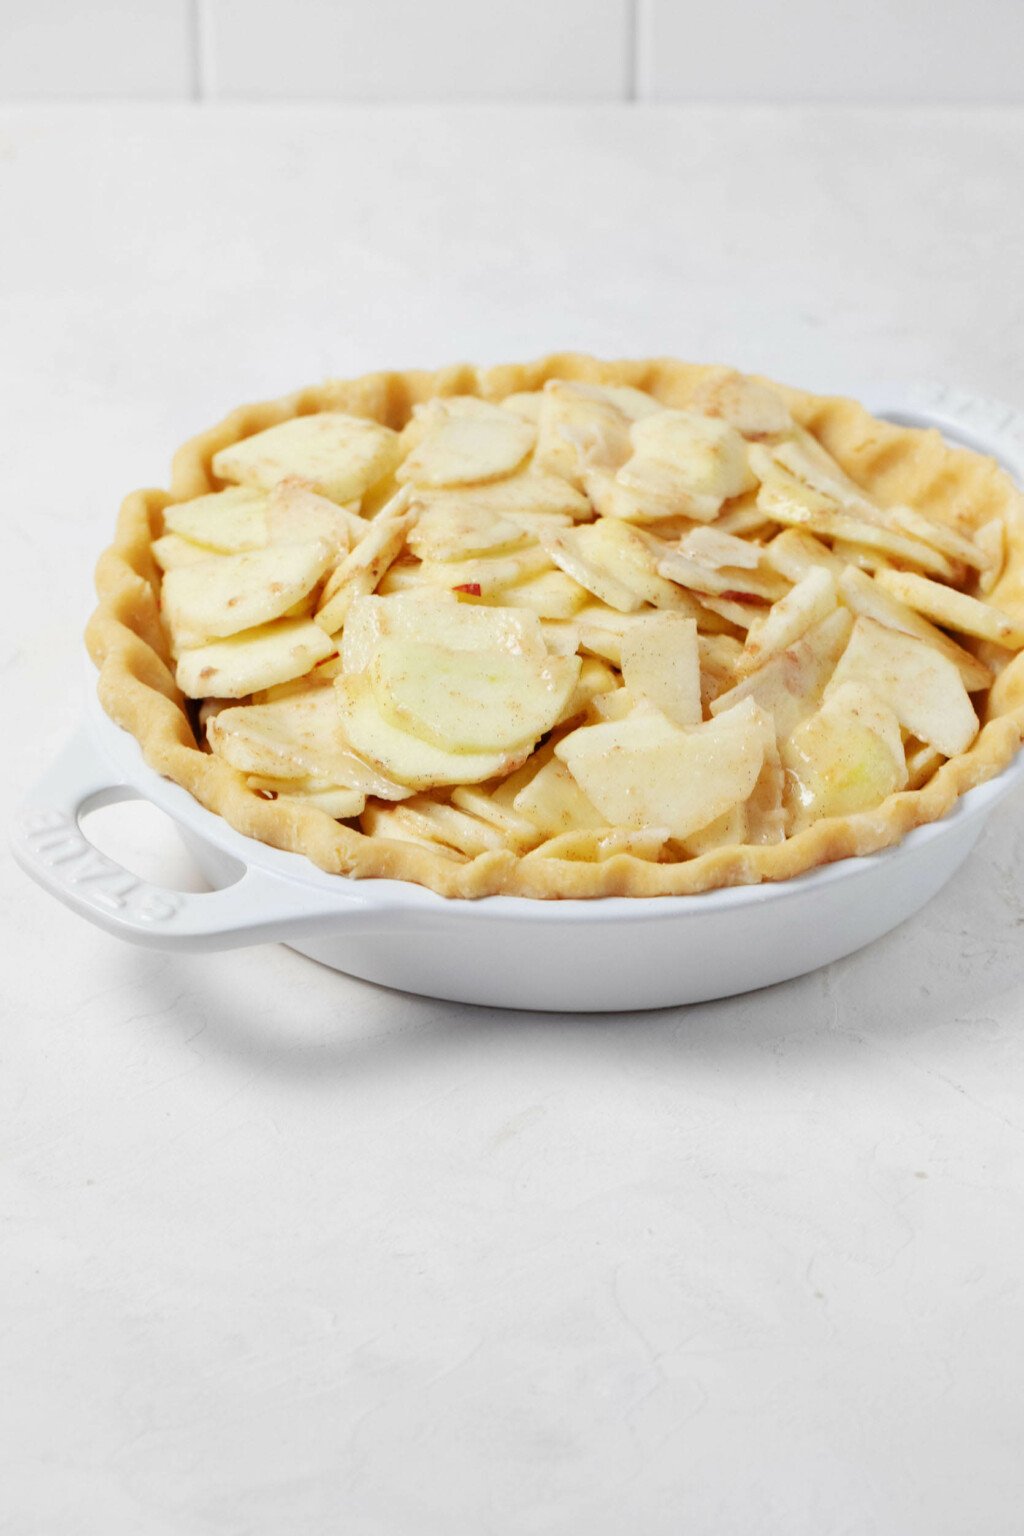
[83, 48]
[375, 50]
[831, 50]
[573, 50]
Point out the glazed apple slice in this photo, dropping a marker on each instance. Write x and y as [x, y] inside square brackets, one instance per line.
[922, 687]
[847, 757]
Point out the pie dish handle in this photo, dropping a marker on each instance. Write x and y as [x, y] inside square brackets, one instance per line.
[49, 843]
[978, 422]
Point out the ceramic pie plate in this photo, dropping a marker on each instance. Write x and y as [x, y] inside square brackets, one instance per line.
[604, 955]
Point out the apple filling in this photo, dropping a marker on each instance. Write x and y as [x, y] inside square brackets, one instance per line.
[575, 623]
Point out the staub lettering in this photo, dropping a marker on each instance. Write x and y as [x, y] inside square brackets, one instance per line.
[57, 841]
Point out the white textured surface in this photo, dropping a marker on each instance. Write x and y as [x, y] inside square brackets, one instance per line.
[286, 1252]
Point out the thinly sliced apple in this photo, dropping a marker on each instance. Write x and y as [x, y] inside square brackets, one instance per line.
[581, 427]
[298, 737]
[708, 456]
[338, 803]
[793, 553]
[661, 663]
[338, 455]
[596, 678]
[452, 532]
[525, 403]
[465, 441]
[405, 757]
[644, 491]
[720, 551]
[527, 493]
[956, 610]
[517, 832]
[469, 701]
[790, 685]
[257, 658]
[432, 820]
[554, 802]
[231, 593]
[438, 620]
[870, 598]
[573, 551]
[752, 408]
[922, 687]
[295, 512]
[598, 844]
[847, 757]
[812, 599]
[362, 568]
[549, 594]
[645, 771]
[171, 552]
[228, 521]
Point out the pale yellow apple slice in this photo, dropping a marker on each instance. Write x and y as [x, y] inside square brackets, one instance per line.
[661, 663]
[596, 678]
[525, 403]
[812, 599]
[469, 701]
[646, 772]
[298, 737]
[452, 532]
[720, 551]
[922, 687]
[295, 512]
[339, 455]
[434, 821]
[231, 593]
[490, 574]
[554, 802]
[465, 441]
[630, 555]
[407, 758]
[870, 598]
[171, 552]
[581, 427]
[793, 553]
[955, 610]
[572, 550]
[708, 456]
[529, 492]
[549, 594]
[598, 844]
[228, 521]
[790, 685]
[751, 407]
[257, 658]
[439, 619]
[338, 803]
[362, 568]
[517, 832]
[644, 491]
[847, 757]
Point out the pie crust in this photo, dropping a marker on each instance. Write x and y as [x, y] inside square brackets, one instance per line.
[127, 641]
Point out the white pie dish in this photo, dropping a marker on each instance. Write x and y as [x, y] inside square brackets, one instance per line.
[609, 954]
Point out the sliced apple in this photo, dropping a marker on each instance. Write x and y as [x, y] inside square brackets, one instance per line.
[338, 803]
[295, 738]
[661, 663]
[228, 521]
[295, 512]
[708, 456]
[720, 551]
[956, 610]
[438, 620]
[451, 531]
[469, 701]
[812, 599]
[573, 551]
[922, 687]
[871, 599]
[598, 844]
[554, 802]
[528, 493]
[409, 759]
[525, 403]
[338, 455]
[644, 491]
[549, 594]
[645, 771]
[171, 552]
[465, 441]
[581, 427]
[847, 757]
[790, 685]
[257, 658]
[596, 678]
[751, 407]
[362, 568]
[230, 593]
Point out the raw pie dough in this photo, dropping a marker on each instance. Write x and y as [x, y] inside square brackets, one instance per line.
[569, 628]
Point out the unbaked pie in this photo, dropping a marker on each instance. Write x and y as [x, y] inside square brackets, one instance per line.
[569, 628]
